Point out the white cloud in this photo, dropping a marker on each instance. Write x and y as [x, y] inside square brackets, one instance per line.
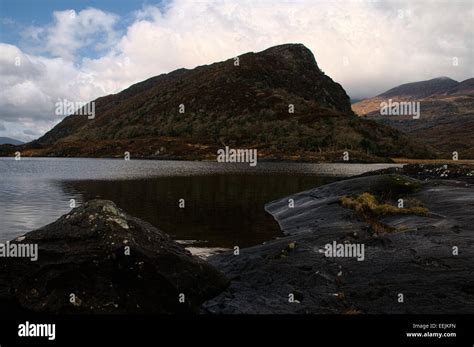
[30, 85]
[71, 31]
[367, 46]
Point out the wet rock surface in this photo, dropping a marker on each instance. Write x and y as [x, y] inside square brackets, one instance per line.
[416, 260]
[110, 262]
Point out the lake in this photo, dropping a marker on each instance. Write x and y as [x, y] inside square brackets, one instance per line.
[224, 203]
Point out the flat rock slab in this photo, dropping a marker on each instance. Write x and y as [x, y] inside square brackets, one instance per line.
[98, 259]
[416, 261]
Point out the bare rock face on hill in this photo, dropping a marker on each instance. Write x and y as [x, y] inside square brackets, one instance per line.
[277, 101]
[446, 120]
[97, 259]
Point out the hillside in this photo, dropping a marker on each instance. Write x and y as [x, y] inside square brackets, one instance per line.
[8, 140]
[446, 120]
[239, 105]
[422, 89]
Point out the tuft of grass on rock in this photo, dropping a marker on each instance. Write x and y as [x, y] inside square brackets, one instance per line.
[370, 209]
[353, 311]
[286, 252]
[367, 203]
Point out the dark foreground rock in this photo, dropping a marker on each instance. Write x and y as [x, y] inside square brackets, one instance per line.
[416, 259]
[84, 253]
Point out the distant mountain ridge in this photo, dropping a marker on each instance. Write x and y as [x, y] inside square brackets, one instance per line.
[277, 101]
[466, 87]
[10, 141]
[446, 122]
[422, 89]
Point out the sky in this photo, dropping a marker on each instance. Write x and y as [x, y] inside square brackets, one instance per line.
[78, 50]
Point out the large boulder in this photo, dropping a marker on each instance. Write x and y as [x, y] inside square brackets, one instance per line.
[98, 259]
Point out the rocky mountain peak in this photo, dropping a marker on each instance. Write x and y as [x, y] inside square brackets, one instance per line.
[277, 100]
[296, 52]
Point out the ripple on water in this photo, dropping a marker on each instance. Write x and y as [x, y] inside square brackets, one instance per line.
[224, 202]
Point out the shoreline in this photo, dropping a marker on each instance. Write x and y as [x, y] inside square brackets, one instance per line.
[394, 160]
[211, 159]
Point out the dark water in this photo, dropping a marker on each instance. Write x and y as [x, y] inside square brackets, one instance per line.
[223, 202]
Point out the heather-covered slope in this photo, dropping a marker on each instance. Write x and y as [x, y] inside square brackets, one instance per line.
[446, 120]
[241, 105]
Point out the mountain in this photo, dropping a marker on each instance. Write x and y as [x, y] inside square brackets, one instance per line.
[243, 102]
[446, 121]
[464, 88]
[10, 141]
[422, 89]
